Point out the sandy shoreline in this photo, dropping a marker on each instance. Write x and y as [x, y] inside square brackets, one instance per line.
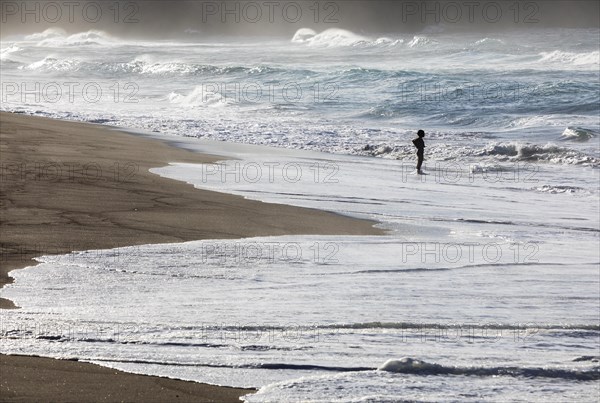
[37, 379]
[68, 186]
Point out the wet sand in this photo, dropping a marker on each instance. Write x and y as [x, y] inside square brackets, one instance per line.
[68, 186]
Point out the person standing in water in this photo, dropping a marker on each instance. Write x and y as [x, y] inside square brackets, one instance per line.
[420, 144]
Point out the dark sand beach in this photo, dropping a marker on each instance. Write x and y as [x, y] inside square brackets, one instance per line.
[68, 186]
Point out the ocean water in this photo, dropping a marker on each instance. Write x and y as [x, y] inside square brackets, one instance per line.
[335, 91]
[485, 287]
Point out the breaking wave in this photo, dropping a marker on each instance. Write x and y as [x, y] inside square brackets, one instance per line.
[5, 52]
[143, 66]
[56, 37]
[498, 151]
[404, 365]
[332, 37]
[589, 59]
[421, 41]
[557, 189]
[514, 151]
[578, 134]
[200, 96]
[417, 367]
[337, 37]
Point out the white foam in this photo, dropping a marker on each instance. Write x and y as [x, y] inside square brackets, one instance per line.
[337, 37]
[56, 37]
[578, 134]
[421, 41]
[200, 96]
[587, 59]
[303, 35]
[332, 37]
[48, 33]
[51, 63]
[402, 365]
[4, 52]
[550, 152]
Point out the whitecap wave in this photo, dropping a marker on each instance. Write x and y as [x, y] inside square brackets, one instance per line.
[516, 151]
[48, 33]
[337, 37]
[332, 37]
[5, 52]
[140, 65]
[200, 96]
[489, 41]
[498, 151]
[56, 37]
[421, 41]
[578, 134]
[50, 63]
[304, 35]
[488, 44]
[589, 59]
[559, 189]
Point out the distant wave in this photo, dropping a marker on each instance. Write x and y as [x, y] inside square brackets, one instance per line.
[48, 33]
[332, 37]
[52, 64]
[361, 105]
[420, 41]
[590, 59]
[140, 66]
[487, 42]
[5, 52]
[56, 37]
[337, 37]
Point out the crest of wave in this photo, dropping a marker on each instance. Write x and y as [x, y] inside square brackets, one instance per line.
[337, 37]
[200, 96]
[50, 63]
[59, 37]
[420, 41]
[5, 52]
[578, 134]
[148, 64]
[48, 33]
[590, 59]
[549, 152]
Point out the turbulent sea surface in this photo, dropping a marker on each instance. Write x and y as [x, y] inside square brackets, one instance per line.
[485, 288]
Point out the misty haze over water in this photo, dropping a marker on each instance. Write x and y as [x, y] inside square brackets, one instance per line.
[172, 19]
